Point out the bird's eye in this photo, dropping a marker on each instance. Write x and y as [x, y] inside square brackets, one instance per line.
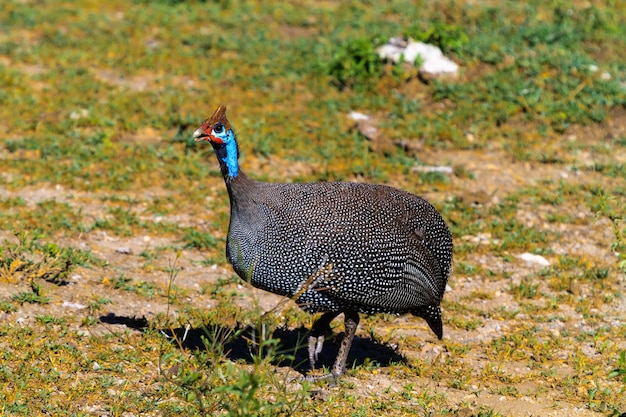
[218, 128]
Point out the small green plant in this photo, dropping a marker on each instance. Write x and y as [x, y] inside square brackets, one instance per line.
[446, 36]
[608, 207]
[144, 288]
[355, 63]
[29, 259]
[465, 323]
[206, 378]
[199, 240]
[7, 307]
[121, 221]
[407, 391]
[122, 283]
[524, 290]
[48, 319]
[620, 371]
[96, 304]
[30, 297]
[36, 296]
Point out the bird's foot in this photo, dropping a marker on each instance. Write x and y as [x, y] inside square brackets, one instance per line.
[330, 378]
[315, 347]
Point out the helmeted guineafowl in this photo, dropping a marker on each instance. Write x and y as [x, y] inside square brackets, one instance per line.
[335, 247]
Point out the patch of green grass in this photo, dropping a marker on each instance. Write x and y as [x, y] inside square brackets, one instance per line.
[11, 202]
[121, 222]
[27, 363]
[355, 63]
[609, 206]
[620, 371]
[7, 307]
[514, 234]
[97, 303]
[199, 240]
[464, 268]
[463, 219]
[614, 170]
[433, 178]
[47, 215]
[30, 297]
[50, 320]
[542, 83]
[29, 259]
[143, 288]
[210, 384]
[465, 324]
[448, 37]
[524, 290]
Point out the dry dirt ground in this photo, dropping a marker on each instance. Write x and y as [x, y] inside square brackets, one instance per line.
[495, 175]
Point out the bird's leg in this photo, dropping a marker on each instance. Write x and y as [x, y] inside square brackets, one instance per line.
[320, 329]
[351, 322]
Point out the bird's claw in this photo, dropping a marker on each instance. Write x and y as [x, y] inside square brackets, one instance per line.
[329, 377]
[315, 347]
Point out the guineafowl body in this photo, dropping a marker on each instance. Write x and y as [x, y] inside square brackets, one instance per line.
[335, 247]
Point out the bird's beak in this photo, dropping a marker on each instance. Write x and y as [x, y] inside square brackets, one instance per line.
[199, 135]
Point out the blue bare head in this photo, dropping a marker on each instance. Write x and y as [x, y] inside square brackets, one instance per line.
[216, 129]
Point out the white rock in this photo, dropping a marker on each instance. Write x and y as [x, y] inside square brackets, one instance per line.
[75, 306]
[79, 114]
[534, 259]
[439, 168]
[355, 115]
[433, 59]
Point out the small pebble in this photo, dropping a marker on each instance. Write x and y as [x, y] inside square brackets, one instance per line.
[534, 259]
[358, 116]
[75, 306]
[439, 168]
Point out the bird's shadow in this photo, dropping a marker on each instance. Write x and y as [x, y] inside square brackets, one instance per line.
[289, 349]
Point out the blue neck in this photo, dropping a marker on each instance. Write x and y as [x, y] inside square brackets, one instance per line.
[227, 155]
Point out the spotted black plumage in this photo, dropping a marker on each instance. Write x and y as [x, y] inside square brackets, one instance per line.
[335, 247]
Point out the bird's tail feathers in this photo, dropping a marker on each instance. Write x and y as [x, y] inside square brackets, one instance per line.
[432, 315]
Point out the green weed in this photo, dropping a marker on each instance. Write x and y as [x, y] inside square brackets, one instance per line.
[450, 38]
[620, 371]
[199, 240]
[143, 288]
[355, 63]
[34, 297]
[211, 383]
[524, 290]
[97, 303]
[29, 259]
[608, 207]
